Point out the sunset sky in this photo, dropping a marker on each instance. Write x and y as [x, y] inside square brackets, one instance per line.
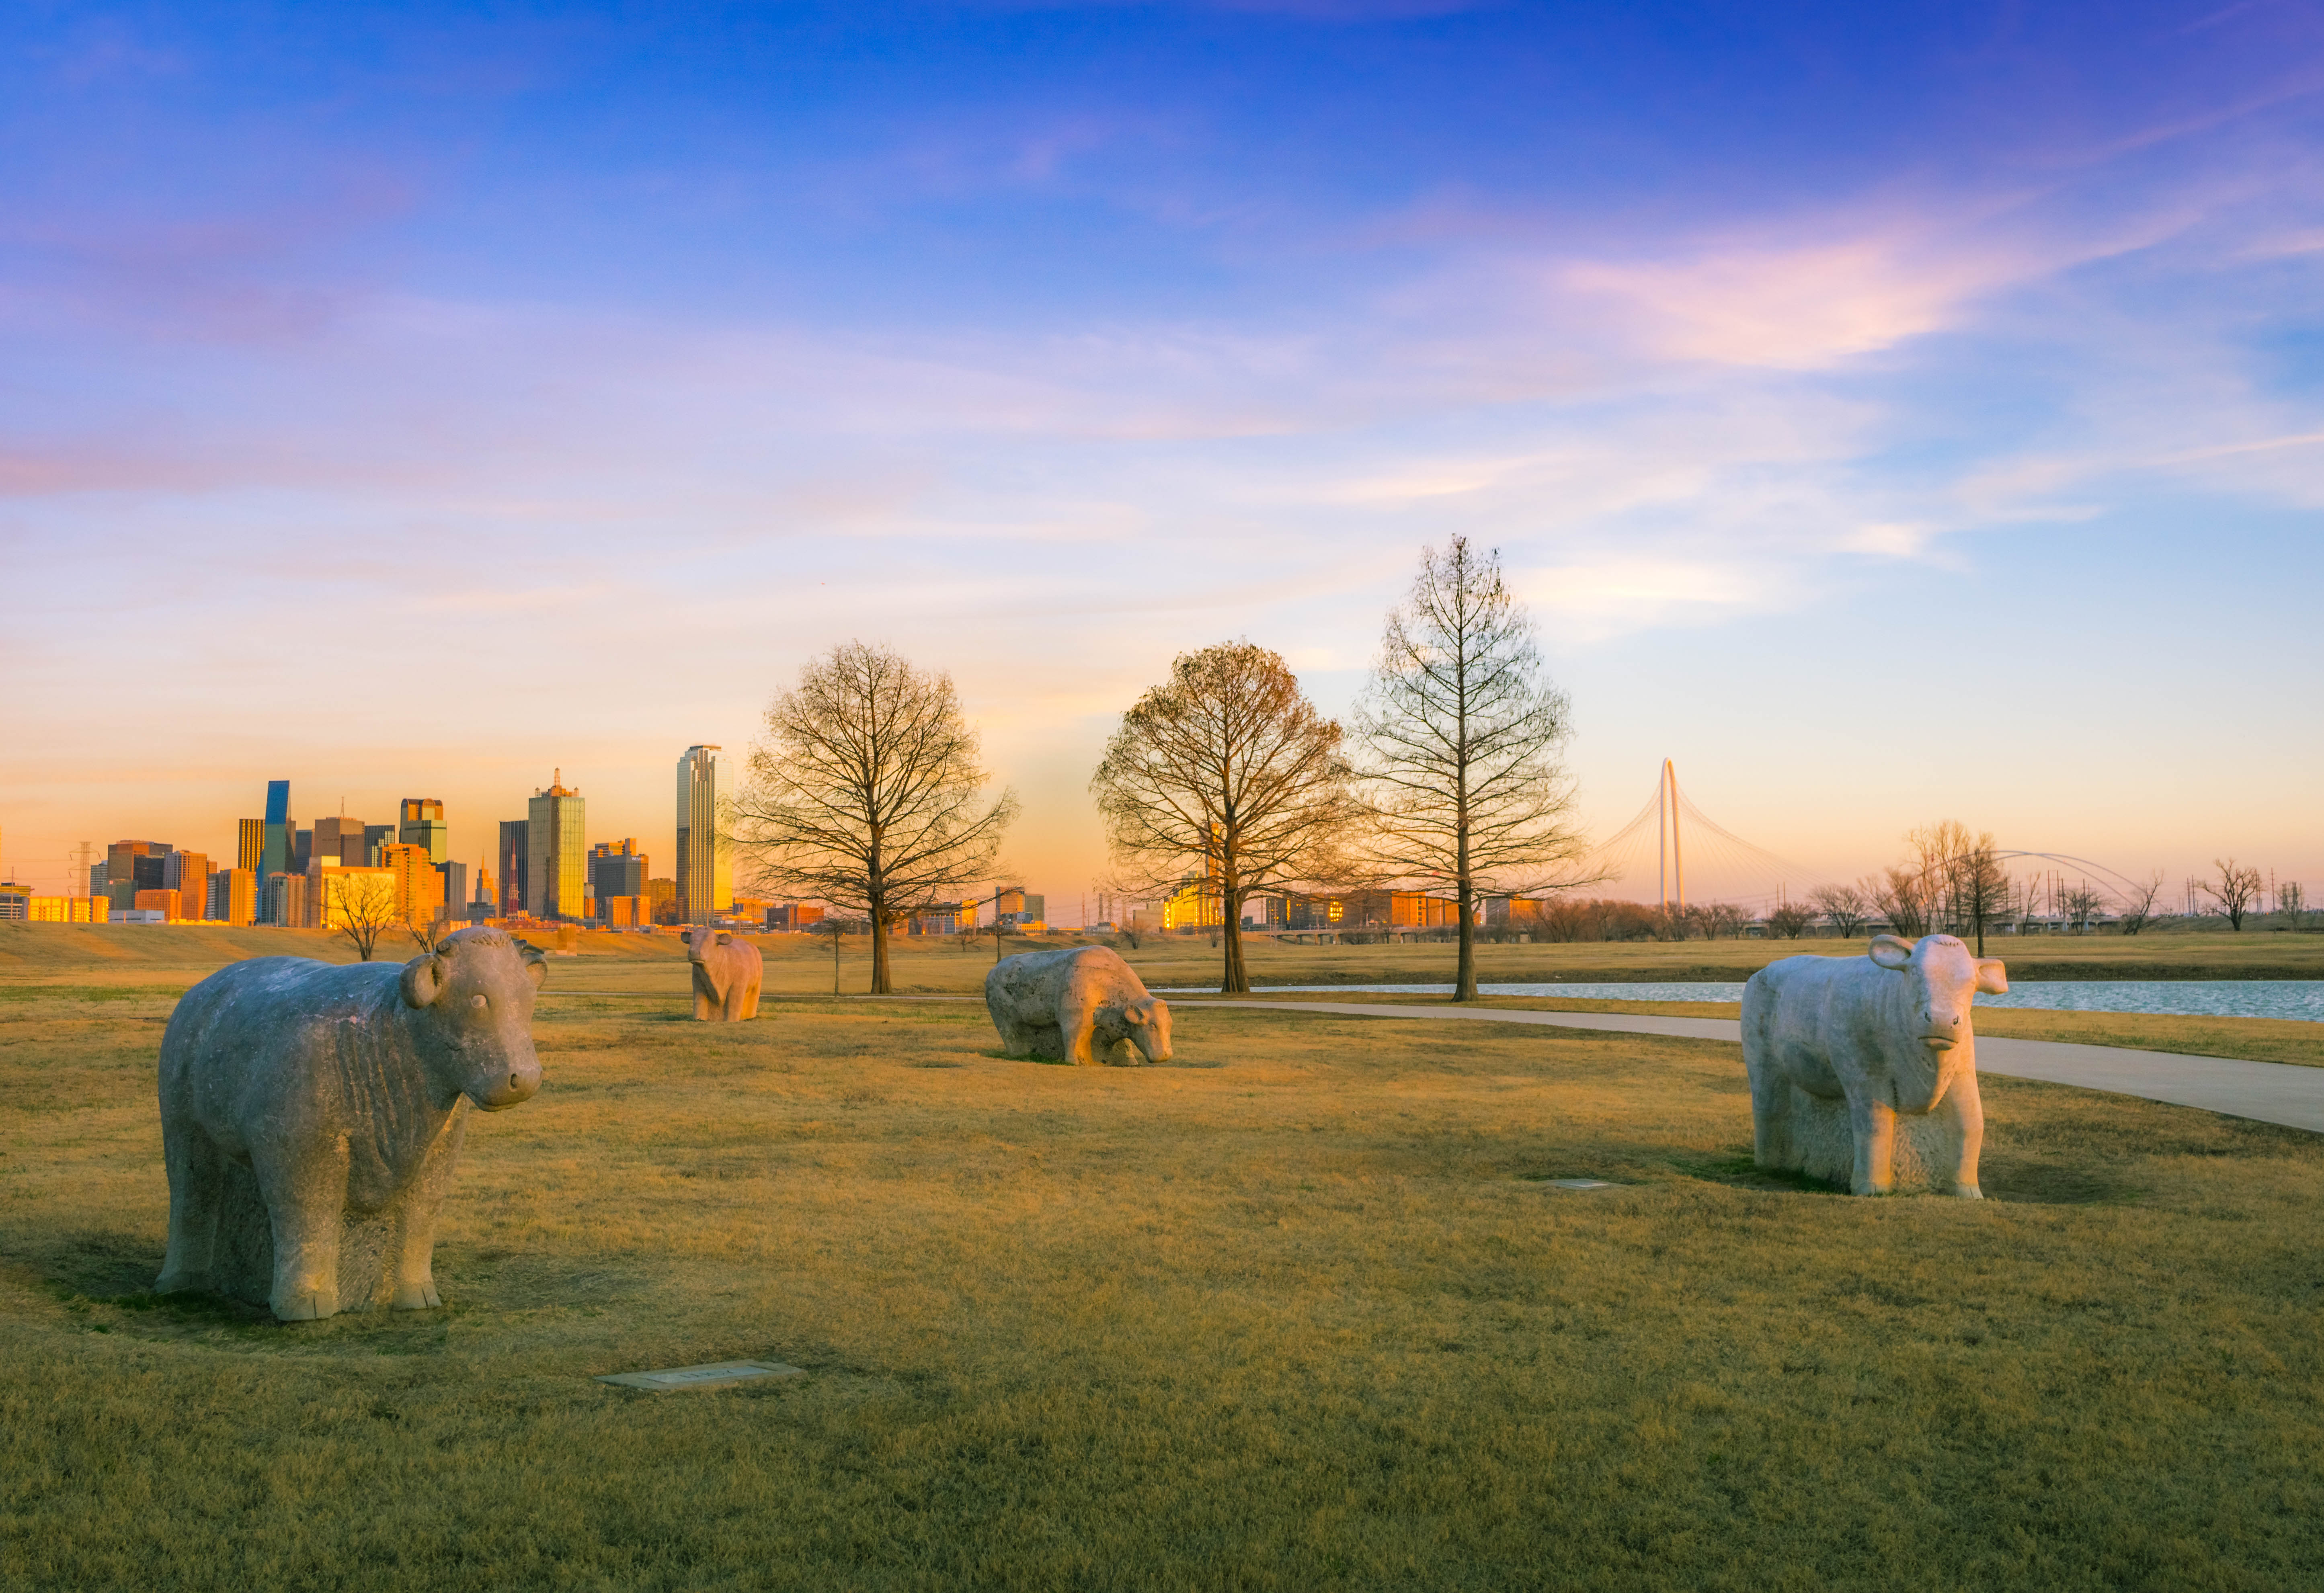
[1889, 412]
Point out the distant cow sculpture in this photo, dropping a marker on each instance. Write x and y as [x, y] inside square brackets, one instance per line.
[1866, 1069]
[727, 974]
[312, 1115]
[1081, 1005]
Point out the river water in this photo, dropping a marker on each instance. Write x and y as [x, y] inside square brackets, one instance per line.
[2196, 997]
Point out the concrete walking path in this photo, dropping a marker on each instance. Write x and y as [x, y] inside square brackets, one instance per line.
[2268, 1091]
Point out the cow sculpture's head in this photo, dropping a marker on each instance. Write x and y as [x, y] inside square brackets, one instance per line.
[1945, 979]
[1146, 1023]
[698, 942]
[474, 992]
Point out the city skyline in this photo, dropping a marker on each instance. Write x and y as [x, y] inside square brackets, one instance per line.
[1888, 420]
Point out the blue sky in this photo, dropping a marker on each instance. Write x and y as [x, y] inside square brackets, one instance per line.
[1889, 412]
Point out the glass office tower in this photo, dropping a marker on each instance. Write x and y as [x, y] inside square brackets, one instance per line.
[705, 863]
[558, 860]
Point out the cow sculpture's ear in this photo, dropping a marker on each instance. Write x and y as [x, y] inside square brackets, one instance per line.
[1891, 952]
[725, 939]
[1992, 978]
[536, 965]
[422, 979]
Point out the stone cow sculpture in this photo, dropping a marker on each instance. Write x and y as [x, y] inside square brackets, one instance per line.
[727, 974]
[1866, 1069]
[1081, 1005]
[312, 1114]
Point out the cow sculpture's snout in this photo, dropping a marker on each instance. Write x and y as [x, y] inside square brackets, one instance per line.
[520, 1084]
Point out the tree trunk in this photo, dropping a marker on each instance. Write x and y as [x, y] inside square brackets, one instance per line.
[880, 985]
[1464, 981]
[1234, 979]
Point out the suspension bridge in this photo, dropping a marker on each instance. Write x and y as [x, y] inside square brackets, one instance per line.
[1691, 858]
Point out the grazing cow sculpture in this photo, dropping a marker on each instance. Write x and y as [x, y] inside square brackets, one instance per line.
[312, 1113]
[1866, 1069]
[1081, 1005]
[726, 975]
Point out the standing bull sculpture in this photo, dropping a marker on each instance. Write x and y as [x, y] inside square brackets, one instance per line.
[726, 975]
[312, 1113]
[1081, 1004]
[1866, 1069]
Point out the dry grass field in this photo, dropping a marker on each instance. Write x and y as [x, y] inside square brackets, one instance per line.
[1299, 1310]
[801, 964]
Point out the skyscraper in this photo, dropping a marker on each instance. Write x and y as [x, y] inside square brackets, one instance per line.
[250, 845]
[422, 823]
[516, 854]
[556, 857]
[189, 874]
[276, 857]
[337, 843]
[706, 865]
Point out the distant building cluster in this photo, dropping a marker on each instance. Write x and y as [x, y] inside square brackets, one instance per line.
[326, 873]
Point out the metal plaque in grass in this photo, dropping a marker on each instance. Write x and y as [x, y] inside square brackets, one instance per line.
[722, 1374]
[1577, 1183]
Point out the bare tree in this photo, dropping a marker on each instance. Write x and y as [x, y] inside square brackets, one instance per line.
[2138, 903]
[2081, 904]
[2234, 890]
[866, 793]
[1978, 884]
[1461, 729]
[1897, 896]
[362, 907]
[2292, 901]
[835, 928]
[1227, 774]
[428, 924]
[1724, 918]
[1844, 908]
[1790, 920]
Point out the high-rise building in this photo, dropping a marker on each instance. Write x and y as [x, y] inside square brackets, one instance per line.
[1016, 907]
[617, 871]
[189, 874]
[376, 837]
[250, 846]
[419, 887]
[422, 823]
[453, 894]
[706, 865]
[516, 855]
[556, 857]
[487, 895]
[286, 900]
[336, 842]
[274, 856]
[131, 866]
[661, 900]
[234, 895]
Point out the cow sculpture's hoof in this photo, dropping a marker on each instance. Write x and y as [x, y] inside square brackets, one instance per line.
[417, 1297]
[307, 1306]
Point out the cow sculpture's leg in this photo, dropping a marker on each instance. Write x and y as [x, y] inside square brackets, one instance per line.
[197, 1179]
[1968, 1112]
[1873, 1123]
[1773, 1100]
[750, 1002]
[1076, 1025]
[415, 1209]
[306, 1203]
